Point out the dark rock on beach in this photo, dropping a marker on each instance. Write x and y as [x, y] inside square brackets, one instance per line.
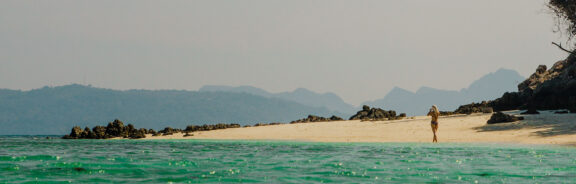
[76, 132]
[336, 118]
[312, 118]
[117, 129]
[500, 117]
[487, 110]
[195, 128]
[508, 101]
[483, 107]
[169, 131]
[260, 124]
[446, 113]
[375, 114]
[113, 130]
[140, 133]
[99, 132]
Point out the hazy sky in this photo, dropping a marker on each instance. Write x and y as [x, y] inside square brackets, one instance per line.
[357, 49]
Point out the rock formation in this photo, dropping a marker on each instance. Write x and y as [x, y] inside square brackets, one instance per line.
[312, 118]
[554, 88]
[113, 130]
[545, 89]
[117, 129]
[446, 113]
[195, 128]
[500, 117]
[483, 107]
[375, 114]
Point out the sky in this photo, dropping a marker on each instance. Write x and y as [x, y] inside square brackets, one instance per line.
[357, 49]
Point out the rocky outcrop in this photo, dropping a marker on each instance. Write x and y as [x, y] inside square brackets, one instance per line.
[535, 79]
[446, 113]
[483, 107]
[312, 118]
[542, 75]
[375, 114]
[151, 131]
[545, 89]
[169, 131]
[554, 88]
[508, 101]
[113, 130]
[500, 117]
[76, 131]
[117, 129]
[195, 128]
[264, 124]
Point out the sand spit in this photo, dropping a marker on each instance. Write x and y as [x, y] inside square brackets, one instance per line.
[545, 128]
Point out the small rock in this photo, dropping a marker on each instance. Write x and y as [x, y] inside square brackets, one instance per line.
[500, 117]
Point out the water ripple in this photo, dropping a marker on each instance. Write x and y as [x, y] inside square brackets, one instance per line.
[202, 161]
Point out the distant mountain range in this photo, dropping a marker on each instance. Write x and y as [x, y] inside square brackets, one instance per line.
[489, 87]
[303, 96]
[54, 110]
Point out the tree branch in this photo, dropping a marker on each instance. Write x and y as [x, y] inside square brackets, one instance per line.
[562, 48]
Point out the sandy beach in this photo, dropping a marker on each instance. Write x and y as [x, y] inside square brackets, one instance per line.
[545, 128]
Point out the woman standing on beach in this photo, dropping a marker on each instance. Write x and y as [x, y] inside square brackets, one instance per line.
[435, 113]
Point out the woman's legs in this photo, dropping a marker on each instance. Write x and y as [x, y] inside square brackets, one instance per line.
[434, 129]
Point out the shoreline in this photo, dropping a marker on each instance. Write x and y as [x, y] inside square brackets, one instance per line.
[439, 144]
[543, 129]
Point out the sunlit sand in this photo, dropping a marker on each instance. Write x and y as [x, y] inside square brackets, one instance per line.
[546, 128]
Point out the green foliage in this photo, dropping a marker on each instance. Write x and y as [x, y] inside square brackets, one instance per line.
[565, 12]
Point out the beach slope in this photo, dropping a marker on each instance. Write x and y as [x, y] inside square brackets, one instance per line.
[545, 128]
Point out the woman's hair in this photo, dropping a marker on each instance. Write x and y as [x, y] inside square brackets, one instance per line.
[434, 109]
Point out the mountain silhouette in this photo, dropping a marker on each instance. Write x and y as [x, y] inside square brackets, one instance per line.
[54, 110]
[488, 87]
[303, 96]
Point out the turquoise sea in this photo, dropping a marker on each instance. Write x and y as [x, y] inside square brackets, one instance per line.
[29, 160]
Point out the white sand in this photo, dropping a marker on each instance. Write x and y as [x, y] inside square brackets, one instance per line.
[547, 128]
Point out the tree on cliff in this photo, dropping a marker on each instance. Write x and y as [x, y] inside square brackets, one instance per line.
[565, 14]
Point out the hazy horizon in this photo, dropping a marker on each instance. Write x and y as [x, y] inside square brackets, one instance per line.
[290, 91]
[358, 50]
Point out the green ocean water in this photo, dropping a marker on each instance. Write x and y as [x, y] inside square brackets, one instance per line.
[27, 160]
